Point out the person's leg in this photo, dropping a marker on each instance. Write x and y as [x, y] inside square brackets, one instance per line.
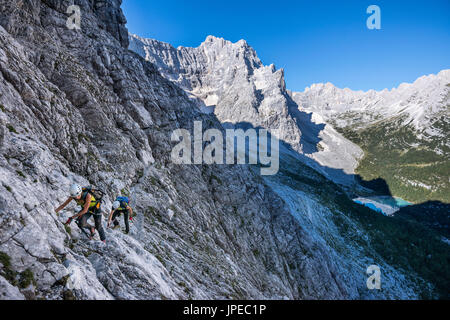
[116, 214]
[99, 226]
[127, 224]
[84, 225]
[83, 221]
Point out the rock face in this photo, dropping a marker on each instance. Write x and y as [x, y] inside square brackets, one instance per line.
[229, 80]
[77, 106]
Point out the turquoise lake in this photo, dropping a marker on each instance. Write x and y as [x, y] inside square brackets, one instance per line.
[386, 205]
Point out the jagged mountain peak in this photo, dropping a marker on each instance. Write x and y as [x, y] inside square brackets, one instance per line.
[211, 39]
[215, 48]
[217, 42]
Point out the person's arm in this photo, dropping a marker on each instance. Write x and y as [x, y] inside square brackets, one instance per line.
[110, 217]
[57, 210]
[87, 203]
[130, 212]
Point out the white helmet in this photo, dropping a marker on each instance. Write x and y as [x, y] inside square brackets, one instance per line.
[75, 191]
[116, 204]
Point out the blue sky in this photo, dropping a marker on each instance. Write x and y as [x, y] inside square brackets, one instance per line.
[314, 41]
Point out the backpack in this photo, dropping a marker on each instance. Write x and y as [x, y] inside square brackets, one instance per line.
[97, 193]
[124, 201]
